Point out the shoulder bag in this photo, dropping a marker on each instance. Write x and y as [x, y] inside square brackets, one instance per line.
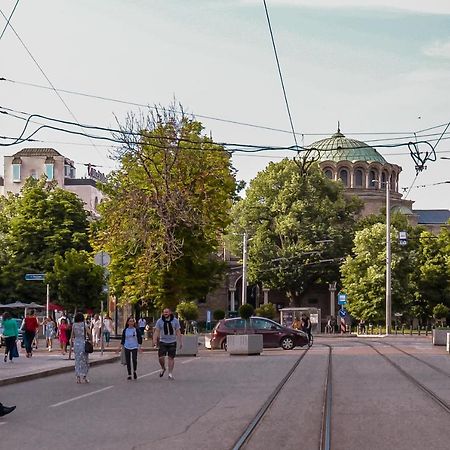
[88, 347]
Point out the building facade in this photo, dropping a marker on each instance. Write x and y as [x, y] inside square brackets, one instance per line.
[36, 162]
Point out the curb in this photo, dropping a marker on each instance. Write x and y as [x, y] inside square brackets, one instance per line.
[55, 371]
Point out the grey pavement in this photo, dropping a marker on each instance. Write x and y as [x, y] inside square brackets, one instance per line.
[214, 396]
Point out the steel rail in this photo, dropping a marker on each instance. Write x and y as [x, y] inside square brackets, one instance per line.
[442, 403]
[262, 411]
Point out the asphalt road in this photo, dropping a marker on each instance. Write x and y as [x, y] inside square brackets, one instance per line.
[214, 397]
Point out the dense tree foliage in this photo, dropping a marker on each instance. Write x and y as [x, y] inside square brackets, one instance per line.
[420, 271]
[299, 224]
[167, 207]
[44, 221]
[77, 281]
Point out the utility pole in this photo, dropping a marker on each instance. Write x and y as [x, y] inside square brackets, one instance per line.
[388, 261]
[244, 269]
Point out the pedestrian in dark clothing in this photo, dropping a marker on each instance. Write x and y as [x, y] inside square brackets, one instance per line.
[130, 343]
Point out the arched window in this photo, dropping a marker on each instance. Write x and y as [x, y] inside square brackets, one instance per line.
[383, 178]
[393, 185]
[373, 179]
[359, 178]
[343, 175]
[329, 173]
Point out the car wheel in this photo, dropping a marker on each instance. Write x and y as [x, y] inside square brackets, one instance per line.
[223, 345]
[287, 343]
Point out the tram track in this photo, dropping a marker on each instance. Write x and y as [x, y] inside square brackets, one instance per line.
[325, 428]
[431, 366]
[430, 393]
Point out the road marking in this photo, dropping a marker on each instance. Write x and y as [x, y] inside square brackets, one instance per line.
[80, 397]
[190, 360]
[148, 374]
[2, 423]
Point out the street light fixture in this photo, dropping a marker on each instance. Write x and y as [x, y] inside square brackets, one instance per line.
[388, 256]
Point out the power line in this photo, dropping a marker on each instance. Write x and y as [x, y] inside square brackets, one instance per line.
[279, 72]
[399, 135]
[9, 19]
[43, 73]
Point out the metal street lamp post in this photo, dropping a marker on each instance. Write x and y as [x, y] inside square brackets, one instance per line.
[244, 269]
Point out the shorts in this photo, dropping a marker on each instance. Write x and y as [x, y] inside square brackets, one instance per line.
[167, 349]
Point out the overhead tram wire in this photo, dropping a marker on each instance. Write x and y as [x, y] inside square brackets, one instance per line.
[399, 135]
[279, 72]
[44, 74]
[429, 157]
[9, 19]
[231, 147]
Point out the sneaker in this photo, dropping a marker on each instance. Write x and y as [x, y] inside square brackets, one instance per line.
[6, 410]
[129, 377]
[171, 377]
[134, 375]
[161, 373]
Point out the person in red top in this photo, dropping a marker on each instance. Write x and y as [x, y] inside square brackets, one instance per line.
[29, 326]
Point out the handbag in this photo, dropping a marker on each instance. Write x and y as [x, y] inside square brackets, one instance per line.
[123, 360]
[88, 347]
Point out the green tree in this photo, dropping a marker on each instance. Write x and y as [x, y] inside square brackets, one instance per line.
[300, 226]
[77, 281]
[44, 221]
[364, 274]
[167, 207]
[266, 310]
[187, 311]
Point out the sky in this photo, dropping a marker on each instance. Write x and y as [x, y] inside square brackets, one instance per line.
[380, 68]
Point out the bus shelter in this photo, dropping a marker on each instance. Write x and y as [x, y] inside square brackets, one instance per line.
[288, 315]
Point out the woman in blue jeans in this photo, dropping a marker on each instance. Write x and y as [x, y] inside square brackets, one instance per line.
[10, 333]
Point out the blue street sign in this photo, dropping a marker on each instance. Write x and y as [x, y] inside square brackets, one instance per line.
[342, 298]
[342, 312]
[34, 276]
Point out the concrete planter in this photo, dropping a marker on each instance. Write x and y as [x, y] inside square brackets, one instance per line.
[448, 342]
[245, 344]
[440, 336]
[190, 345]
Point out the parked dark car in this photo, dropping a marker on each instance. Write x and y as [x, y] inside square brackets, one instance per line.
[2, 339]
[274, 334]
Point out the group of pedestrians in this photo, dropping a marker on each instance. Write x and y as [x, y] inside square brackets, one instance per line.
[166, 337]
[303, 324]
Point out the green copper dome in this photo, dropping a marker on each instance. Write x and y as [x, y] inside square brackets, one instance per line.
[339, 148]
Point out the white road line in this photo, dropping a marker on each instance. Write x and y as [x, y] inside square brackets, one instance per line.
[2, 423]
[190, 360]
[80, 396]
[149, 374]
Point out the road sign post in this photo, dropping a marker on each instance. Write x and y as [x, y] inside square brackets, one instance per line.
[103, 259]
[40, 277]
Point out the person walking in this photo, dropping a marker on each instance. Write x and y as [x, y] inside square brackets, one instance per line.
[130, 343]
[62, 335]
[107, 329]
[141, 324]
[30, 325]
[6, 409]
[167, 333]
[10, 333]
[80, 333]
[96, 325]
[50, 332]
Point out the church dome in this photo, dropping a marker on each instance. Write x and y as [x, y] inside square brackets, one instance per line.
[340, 148]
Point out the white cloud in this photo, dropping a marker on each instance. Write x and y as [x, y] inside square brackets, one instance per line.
[419, 6]
[438, 49]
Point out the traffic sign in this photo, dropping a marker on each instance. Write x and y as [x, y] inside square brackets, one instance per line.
[34, 276]
[342, 312]
[342, 298]
[102, 259]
